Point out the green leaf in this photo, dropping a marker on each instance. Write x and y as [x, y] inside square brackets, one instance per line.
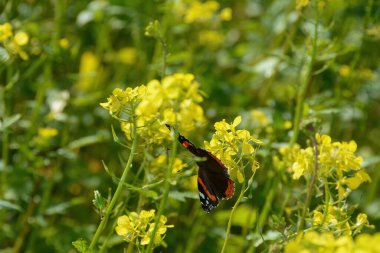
[88, 140]
[81, 245]
[10, 206]
[114, 135]
[9, 121]
[98, 201]
[4, 55]
[62, 207]
[181, 196]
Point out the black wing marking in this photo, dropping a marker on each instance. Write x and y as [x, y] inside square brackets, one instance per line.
[207, 196]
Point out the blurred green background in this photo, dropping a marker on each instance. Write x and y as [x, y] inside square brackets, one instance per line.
[60, 59]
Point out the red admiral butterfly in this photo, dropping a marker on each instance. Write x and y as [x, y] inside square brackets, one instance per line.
[214, 182]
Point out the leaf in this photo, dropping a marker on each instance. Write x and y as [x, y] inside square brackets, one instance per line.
[10, 206]
[372, 160]
[98, 201]
[237, 121]
[88, 140]
[4, 56]
[9, 121]
[81, 245]
[240, 176]
[181, 196]
[62, 207]
[114, 135]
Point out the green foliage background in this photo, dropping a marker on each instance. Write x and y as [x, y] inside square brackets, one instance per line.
[257, 60]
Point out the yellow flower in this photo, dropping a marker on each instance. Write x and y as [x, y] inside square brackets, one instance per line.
[137, 228]
[161, 161]
[326, 242]
[355, 181]
[300, 4]
[174, 100]
[210, 38]
[47, 132]
[124, 226]
[366, 74]
[335, 159]
[344, 71]
[127, 55]
[230, 145]
[88, 70]
[288, 124]
[226, 14]
[259, 118]
[5, 31]
[197, 11]
[121, 100]
[21, 38]
[64, 43]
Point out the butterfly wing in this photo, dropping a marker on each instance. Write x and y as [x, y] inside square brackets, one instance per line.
[207, 196]
[213, 181]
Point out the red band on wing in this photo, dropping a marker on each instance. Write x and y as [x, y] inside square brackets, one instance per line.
[230, 189]
[186, 144]
[209, 194]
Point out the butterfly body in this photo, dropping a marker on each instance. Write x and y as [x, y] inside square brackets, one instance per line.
[214, 182]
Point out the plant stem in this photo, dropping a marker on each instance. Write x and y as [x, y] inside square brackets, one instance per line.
[305, 82]
[164, 53]
[301, 221]
[119, 188]
[165, 194]
[231, 215]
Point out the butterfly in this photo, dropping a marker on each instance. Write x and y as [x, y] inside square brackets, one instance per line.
[214, 182]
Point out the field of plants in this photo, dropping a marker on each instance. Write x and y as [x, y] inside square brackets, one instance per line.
[190, 126]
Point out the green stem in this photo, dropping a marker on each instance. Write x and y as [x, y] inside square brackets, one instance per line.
[5, 102]
[118, 191]
[305, 82]
[232, 214]
[104, 246]
[301, 221]
[265, 211]
[165, 195]
[327, 201]
[164, 53]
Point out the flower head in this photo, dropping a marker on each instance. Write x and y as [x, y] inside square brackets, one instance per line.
[173, 100]
[137, 227]
[336, 160]
[5, 31]
[230, 145]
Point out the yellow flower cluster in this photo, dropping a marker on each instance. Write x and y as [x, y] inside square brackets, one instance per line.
[89, 69]
[47, 132]
[45, 136]
[231, 145]
[137, 228]
[175, 100]
[327, 243]
[336, 160]
[338, 219]
[161, 161]
[5, 31]
[200, 12]
[14, 43]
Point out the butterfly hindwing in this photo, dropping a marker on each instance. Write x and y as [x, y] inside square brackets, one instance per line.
[217, 175]
[207, 196]
[213, 179]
